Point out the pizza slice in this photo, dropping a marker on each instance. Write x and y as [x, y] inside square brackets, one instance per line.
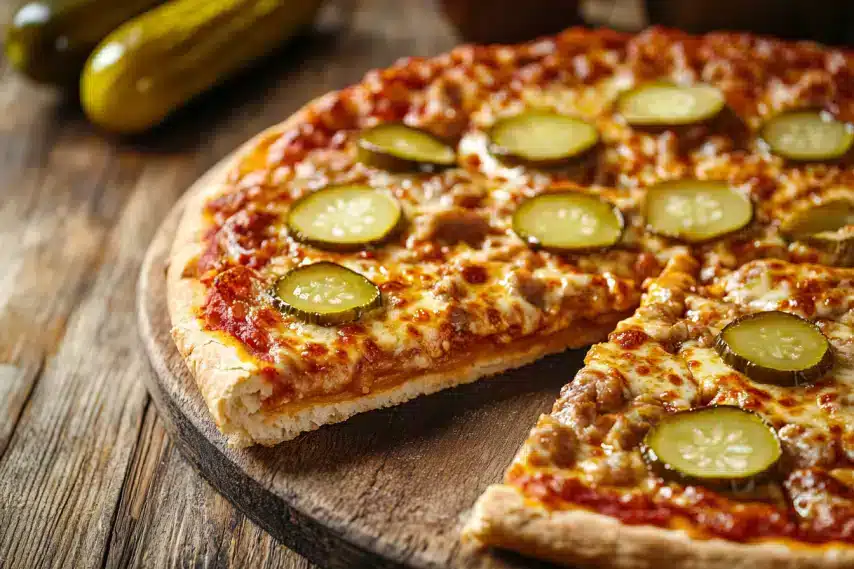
[297, 306]
[715, 428]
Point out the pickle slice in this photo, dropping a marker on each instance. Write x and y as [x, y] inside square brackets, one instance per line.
[400, 148]
[807, 136]
[344, 218]
[541, 139]
[325, 293]
[568, 221]
[829, 216]
[665, 104]
[828, 227]
[696, 210]
[723, 446]
[839, 245]
[775, 347]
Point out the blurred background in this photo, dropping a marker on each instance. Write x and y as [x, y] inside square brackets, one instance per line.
[94, 155]
[134, 63]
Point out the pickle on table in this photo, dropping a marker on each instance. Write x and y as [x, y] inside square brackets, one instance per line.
[155, 63]
[568, 222]
[807, 136]
[775, 347]
[723, 447]
[542, 139]
[400, 148]
[325, 293]
[345, 218]
[660, 104]
[49, 40]
[696, 210]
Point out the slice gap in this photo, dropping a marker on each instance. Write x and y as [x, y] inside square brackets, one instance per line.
[775, 347]
[345, 218]
[542, 139]
[568, 222]
[723, 447]
[660, 104]
[400, 148]
[325, 293]
[807, 136]
[696, 210]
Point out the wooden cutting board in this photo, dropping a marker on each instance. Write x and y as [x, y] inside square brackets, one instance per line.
[387, 488]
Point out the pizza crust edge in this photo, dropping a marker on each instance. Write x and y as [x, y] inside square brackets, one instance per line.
[504, 518]
[224, 374]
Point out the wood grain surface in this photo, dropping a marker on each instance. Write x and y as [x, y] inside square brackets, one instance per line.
[88, 476]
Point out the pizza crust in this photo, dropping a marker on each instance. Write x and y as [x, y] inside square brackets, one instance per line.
[227, 376]
[504, 518]
[223, 372]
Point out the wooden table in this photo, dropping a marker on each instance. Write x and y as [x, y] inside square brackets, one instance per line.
[88, 477]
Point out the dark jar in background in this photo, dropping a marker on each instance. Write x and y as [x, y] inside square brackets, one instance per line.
[827, 21]
[509, 21]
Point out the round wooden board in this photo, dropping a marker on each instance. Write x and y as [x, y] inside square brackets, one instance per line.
[388, 488]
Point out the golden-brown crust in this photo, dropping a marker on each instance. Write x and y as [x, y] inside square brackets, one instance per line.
[290, 420]
[504, 518]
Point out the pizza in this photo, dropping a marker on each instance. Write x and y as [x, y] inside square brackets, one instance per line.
[685, 203]
[684, 441]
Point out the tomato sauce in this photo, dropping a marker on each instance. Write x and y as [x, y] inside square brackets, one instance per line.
[704, 509]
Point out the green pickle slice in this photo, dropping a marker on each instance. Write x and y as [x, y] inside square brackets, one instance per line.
[345, 217]
[807, 136]
[665, 104]
[775, 347]
[829, 216]
[542, 139]
[400, 148]
[839, 245]
[828, 227]
[724, 447]
[325, 293]
[696, 210]
[568, 221]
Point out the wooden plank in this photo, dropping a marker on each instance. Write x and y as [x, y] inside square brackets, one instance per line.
[66, 460]
[169, 517]
[253, 547]
[16, 382]
[48, 235]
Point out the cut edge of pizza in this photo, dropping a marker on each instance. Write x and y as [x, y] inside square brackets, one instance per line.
[236, 384]
[590, 486]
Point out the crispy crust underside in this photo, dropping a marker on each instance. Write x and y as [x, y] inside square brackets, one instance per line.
[503, 518]
[228, 377]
